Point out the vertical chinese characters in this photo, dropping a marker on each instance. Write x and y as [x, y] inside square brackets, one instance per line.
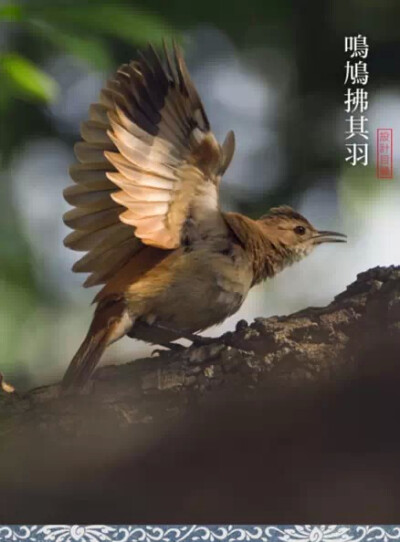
[356, 99]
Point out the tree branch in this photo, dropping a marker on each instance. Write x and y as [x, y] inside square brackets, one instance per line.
[312, 345]
[254, 427]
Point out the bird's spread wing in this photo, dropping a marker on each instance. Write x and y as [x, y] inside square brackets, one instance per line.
[147, 152]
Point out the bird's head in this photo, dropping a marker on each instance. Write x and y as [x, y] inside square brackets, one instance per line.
[290, 232]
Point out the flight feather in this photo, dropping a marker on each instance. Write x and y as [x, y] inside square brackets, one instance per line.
[147, 154]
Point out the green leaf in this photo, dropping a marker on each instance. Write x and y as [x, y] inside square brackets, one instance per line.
[10, 13]
[27, 79]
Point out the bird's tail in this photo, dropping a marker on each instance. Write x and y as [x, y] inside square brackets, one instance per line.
[110, 322]
[85, 360]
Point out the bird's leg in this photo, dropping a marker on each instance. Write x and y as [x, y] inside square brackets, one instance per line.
[197, 340]
[200, 340]
[173, 347]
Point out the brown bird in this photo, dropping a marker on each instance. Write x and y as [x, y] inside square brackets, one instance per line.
[147, 214]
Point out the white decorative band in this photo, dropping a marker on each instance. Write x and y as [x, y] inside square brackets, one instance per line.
[199, 533]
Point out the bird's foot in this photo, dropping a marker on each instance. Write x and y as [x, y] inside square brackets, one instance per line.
[196, 340]
[200, 340]
[172, 347]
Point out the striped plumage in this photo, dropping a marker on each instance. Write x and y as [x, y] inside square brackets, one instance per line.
[146, 147]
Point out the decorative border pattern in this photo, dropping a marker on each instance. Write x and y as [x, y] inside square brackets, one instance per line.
[199, 533]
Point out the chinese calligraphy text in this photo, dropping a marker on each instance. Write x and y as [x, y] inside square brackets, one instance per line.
[356, 99]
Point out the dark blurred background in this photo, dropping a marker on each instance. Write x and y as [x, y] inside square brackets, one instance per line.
[271, 70]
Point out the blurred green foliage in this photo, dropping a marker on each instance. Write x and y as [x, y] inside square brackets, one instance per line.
[23, 78]
[34, 31]
[81, 29]
[101, 34]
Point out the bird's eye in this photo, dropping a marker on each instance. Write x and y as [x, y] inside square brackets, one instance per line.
[300, 230]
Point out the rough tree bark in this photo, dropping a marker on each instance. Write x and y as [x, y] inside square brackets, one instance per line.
[277, 403]
[311, 346]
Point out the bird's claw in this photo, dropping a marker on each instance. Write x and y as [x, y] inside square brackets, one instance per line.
[199, 340]
[170, 348]
[157, 352]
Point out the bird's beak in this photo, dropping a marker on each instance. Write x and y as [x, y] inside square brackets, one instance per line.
[329, 237]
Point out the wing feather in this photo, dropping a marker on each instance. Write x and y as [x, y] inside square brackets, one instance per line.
[147, 158]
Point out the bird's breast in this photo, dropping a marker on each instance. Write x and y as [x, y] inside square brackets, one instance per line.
[205, 285]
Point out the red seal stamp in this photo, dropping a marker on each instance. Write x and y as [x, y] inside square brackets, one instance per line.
[384, 153]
